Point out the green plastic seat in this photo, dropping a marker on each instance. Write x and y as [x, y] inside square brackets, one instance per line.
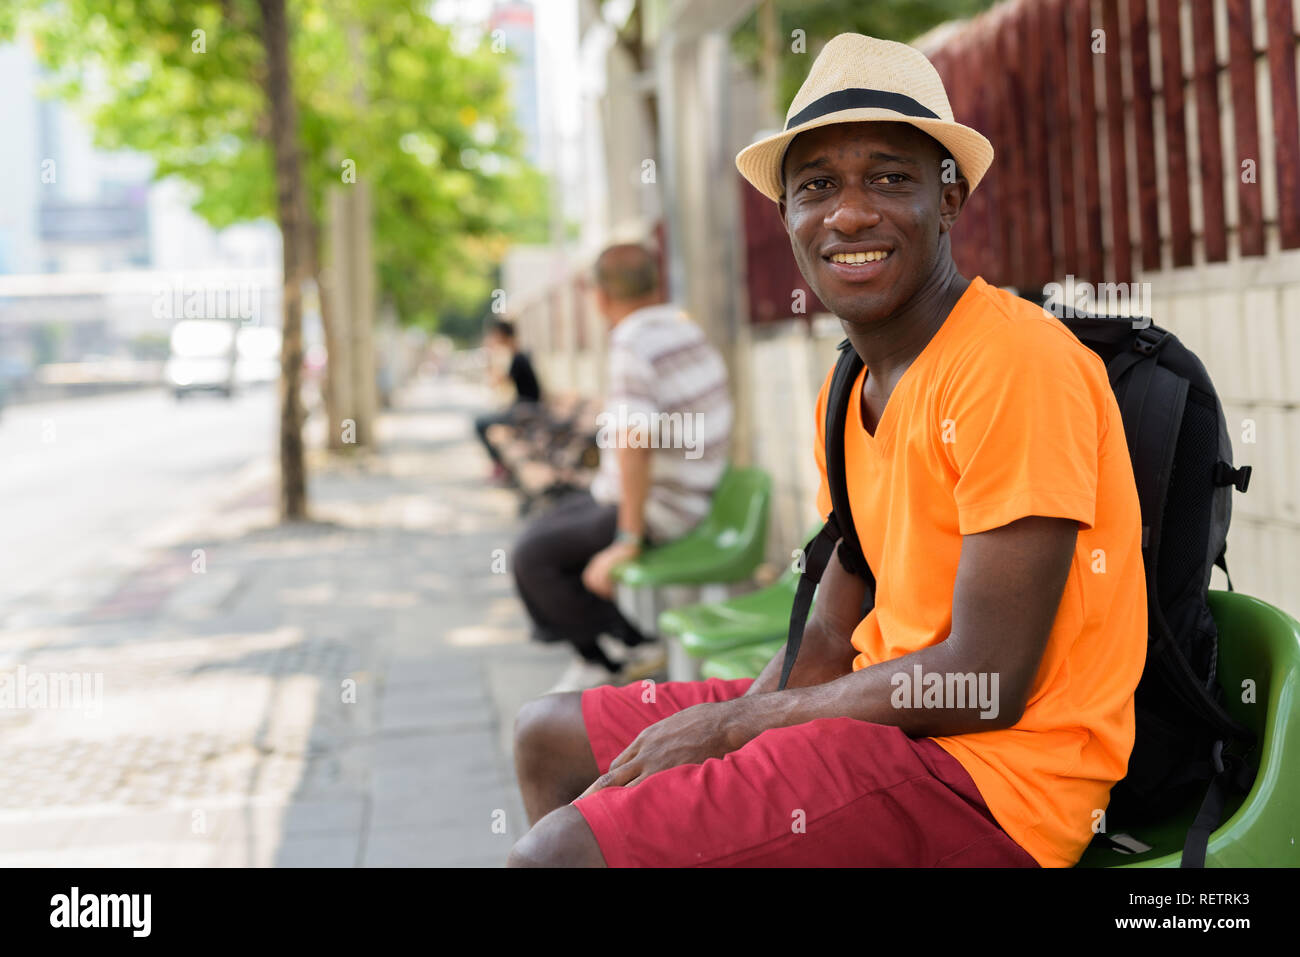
[709, 628]
[706, 629]
[725, 547]
[744, 662]
[1261, 644]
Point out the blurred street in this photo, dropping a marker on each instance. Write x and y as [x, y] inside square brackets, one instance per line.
[86, 480]
[334, 693]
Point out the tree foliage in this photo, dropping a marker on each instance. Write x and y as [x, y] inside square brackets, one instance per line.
[383, 94]
[901, 20]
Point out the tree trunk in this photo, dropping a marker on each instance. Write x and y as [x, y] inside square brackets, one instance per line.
[352, 274]
[333, 388]
[365, 392]
[290, 207]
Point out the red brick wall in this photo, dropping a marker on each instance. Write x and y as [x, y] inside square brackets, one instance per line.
[1038, 214]
[772, 275]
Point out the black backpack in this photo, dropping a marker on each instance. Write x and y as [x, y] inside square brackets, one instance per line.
[1185, 742]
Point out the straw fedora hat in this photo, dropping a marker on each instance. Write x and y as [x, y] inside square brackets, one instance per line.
[857, 78]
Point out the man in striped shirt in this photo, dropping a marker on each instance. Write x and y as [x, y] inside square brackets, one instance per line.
[664, 437]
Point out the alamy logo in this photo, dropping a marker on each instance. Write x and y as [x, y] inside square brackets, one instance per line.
[1130, 300]
[102, 910]
[932, 689]
[180, 298]
[636, 429]
[52, 690]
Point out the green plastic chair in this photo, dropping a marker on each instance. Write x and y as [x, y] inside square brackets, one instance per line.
[707, 629]
[725, 547]
[744, 662]
[1259, 643]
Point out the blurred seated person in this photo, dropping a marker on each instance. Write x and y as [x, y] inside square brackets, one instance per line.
[499, 341]
[664, 436]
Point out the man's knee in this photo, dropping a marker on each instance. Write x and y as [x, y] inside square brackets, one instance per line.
[536, 547]
[561, 839]
[549, 728]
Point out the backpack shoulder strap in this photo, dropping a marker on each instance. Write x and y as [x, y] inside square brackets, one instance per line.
[837, 410]
[839, 524]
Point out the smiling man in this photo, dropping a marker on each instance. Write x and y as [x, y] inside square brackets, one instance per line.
[993, 496]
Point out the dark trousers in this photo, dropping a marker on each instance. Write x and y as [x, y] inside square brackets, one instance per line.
[548, 562]
[508, 416]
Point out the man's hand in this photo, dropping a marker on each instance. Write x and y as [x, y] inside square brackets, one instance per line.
[597, 577]
[690, 736]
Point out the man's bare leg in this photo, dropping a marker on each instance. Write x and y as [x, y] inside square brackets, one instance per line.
[553, 759]
[561, 839]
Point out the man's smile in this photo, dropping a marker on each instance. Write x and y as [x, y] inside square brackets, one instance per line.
[857, 262]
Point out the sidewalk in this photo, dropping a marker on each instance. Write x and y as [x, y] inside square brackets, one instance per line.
[335, 693]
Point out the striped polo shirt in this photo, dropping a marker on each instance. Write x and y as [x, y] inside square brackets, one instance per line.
[668, 382]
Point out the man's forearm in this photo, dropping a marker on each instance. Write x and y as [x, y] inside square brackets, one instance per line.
[889, 693]
[634, 487]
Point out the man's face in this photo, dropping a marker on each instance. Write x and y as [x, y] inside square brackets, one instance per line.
[873, 188]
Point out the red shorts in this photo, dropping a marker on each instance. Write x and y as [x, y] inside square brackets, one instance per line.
[835, 792]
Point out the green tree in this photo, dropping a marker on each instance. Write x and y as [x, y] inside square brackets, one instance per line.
[380, 92]
[901, 20]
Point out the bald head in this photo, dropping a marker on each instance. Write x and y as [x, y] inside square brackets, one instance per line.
[628, 273]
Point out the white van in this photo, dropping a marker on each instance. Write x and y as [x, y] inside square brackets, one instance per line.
[257, 355]
[202, 357]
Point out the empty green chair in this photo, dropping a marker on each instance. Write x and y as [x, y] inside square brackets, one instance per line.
[743, 662]
[1261, 644]
[708, 629]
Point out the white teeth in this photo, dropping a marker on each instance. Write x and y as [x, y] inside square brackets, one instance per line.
[857, 258]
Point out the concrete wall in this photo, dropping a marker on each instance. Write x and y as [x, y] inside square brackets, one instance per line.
[1243, 319]
[788, 362]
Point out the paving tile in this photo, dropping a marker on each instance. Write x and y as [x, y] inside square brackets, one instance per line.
[468, 804]
[417, 708]
[433, 848]
[326, 850]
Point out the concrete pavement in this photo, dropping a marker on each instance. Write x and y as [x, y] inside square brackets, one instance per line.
[333, 693]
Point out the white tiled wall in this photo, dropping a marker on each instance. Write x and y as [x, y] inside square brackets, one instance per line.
[1243, 319]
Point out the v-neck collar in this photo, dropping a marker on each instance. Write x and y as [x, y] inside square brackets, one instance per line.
[884, 425]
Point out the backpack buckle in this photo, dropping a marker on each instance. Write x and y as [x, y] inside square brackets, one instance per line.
[1225, 474]
[1150, 340]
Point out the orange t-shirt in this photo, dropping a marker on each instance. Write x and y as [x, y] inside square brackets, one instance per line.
[1003, 415]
